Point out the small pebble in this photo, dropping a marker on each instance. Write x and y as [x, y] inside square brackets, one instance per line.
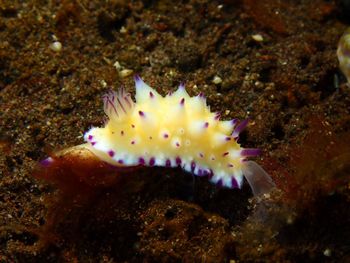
[117, 65]
[327, 252]
[56, 46]
[217, 80]
[258, 38]
[125, 73]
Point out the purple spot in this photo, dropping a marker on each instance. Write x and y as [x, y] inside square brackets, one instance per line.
[167, 163]
[177, 144]
[193, 166]
[120, 161]
[165, 135]
[90, 137]
[201, 95]
[152, 161]
[201, 155]
[230, 165]
[211, 174]
[225, 154]
[205, 172]
[137, 78]
[121, 133]
[228, 139]
[200, 172]
[206, 124]
[182, 102]
[219, 183]
[178, 160]
[141, 113]
[93, 143]
[250, 152]
[151, 94]
[46, 162]
[132, 142]
[234, 183]
[141, 161]
[111, 153]
[132, 126]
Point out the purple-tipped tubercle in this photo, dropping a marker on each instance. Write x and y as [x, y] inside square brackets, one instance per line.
[46, 162]
[234, 183]
[137, 78]
[201, 95]
[219, 183]
[178, 161]
[234, 122]
[241, 126]
[193, 166]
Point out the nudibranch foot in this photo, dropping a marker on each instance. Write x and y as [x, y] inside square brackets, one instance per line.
[77, 169]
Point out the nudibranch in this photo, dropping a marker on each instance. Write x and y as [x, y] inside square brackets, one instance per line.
[174, 131]
[343, 53]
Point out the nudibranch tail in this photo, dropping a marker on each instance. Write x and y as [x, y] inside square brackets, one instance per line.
[258, 179]
[176, 130]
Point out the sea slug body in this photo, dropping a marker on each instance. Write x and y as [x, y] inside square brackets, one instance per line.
[174, 131]
[343, 54]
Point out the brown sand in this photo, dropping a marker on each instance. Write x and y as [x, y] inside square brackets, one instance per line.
[287, 84]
